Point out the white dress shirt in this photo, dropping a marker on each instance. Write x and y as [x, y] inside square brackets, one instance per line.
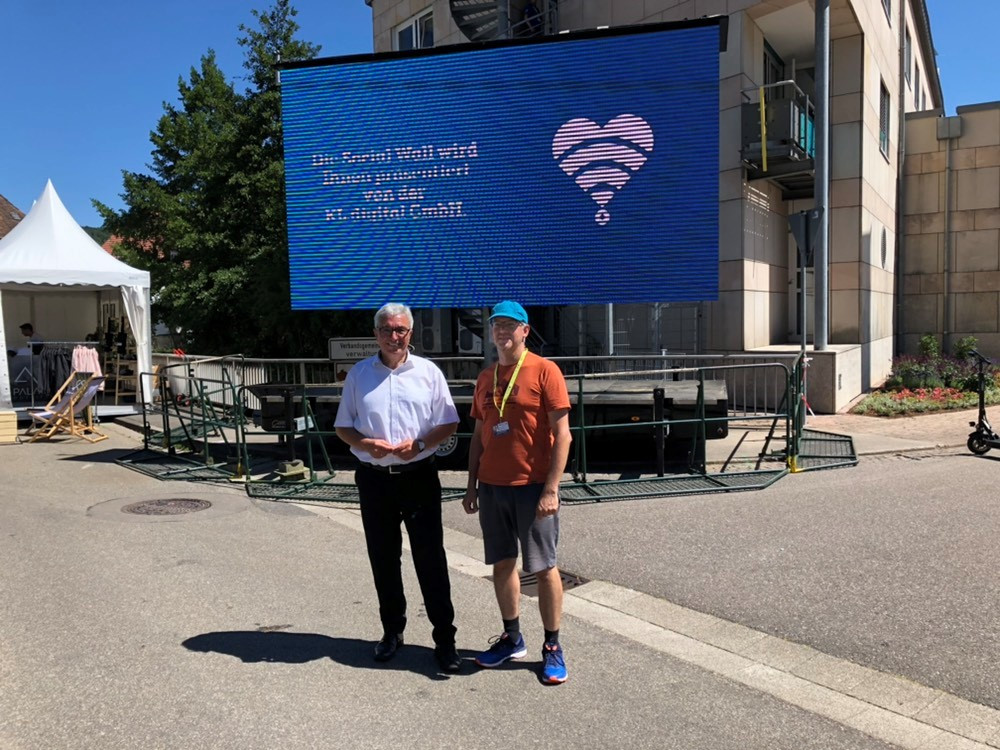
[395, 405]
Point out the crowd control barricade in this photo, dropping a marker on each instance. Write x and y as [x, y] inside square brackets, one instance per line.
[269, 424]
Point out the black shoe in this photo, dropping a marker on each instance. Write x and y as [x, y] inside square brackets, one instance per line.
[387, 647]
[448, 658]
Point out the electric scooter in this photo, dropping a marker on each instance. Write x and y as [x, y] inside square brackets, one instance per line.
[983, 438]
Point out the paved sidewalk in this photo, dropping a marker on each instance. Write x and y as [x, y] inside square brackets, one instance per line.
[874, 435]
[871, 435]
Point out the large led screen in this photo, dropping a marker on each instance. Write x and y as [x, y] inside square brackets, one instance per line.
[582, 169]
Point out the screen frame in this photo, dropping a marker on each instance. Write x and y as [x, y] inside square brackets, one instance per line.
[471, 48]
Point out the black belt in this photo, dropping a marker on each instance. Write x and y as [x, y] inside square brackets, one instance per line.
[401, 468]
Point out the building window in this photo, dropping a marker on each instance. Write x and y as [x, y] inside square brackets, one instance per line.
[883, 120]
[417, 32]
[887, 4]
[917, 91]
[907, 46]
[774, 71]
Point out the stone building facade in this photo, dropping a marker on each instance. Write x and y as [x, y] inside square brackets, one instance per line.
[951, 246]
[882, 67]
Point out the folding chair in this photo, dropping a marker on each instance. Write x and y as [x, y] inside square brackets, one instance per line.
[65, 414]
[76, 381]
[69, 393]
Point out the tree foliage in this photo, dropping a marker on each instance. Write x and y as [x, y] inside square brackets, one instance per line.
[209, 221]
[97, 234]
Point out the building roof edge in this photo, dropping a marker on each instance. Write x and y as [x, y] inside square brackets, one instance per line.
[922, 22]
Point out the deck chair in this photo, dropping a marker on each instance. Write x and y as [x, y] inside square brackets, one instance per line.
[73, 382]
[68, 393]
[70, 414]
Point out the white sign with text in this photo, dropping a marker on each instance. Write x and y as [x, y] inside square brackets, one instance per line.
[352, 349]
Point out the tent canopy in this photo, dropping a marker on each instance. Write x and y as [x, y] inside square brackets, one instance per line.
[48, 251]
[49, 247]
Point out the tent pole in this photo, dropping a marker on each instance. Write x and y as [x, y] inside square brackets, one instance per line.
[6, 400]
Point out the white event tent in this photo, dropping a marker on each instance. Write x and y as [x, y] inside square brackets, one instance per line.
[48, 253]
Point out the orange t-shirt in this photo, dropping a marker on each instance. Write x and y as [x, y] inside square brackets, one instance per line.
[523, 455]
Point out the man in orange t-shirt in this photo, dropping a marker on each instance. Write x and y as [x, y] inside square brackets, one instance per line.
[517, 456]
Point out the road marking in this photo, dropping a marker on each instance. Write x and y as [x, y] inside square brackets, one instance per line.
[884, 706]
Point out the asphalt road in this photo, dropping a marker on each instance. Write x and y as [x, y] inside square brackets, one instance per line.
[891, 564]
[250, 625]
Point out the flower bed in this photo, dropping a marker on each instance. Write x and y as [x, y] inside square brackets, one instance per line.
[931, 382]
[918, 401]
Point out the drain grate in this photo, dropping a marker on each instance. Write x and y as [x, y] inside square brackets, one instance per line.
[166, 506]
[529, 582]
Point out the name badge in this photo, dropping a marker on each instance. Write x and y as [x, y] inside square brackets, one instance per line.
[500, 429]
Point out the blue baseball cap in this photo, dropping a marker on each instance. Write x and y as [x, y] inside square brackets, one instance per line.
[509, 309]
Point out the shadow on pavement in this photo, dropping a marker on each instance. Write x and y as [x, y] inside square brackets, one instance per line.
[988, 457]
[251, 646]
[108, 456]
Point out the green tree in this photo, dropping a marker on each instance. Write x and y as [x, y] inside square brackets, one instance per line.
[98, 235]
[209, 222]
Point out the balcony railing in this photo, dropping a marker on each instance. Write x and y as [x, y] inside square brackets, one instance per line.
[779, 137]
[483, 20]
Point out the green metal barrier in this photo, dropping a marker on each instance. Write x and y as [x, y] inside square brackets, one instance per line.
[284, 484]
[210, 415]
[697, 478]
[810, 450]
[204, 409]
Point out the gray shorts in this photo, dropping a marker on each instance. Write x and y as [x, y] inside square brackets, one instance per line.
[507, 516]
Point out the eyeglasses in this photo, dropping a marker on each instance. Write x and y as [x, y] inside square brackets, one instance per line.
[507, 325]
[398, 331]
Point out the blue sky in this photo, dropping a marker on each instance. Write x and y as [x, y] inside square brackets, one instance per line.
[967, 39]
[85, 83]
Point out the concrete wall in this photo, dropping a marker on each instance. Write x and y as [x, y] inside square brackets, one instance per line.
[951, 279]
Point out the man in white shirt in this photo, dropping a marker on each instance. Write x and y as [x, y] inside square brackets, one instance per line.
[395, 410]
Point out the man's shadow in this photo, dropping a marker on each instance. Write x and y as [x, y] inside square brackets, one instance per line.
[251, 646]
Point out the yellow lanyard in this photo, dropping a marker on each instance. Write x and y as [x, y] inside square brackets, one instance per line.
[510, 386]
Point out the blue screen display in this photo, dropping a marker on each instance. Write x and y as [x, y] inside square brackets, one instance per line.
[572, 171]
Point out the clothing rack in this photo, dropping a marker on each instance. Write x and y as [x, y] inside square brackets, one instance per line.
[68, 344]
[51, 345]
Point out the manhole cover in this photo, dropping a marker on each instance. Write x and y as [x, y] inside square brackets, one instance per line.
[166, 506]
[529, 582]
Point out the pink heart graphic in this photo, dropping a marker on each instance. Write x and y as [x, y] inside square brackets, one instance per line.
[602, 160]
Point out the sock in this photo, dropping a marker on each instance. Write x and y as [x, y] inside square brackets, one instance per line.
[512, 628]
[552, 636]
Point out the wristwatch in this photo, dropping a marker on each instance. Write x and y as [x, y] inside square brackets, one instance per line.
[421, 445]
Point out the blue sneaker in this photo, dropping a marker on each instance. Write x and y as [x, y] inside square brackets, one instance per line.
[553, 665]
[503, 649]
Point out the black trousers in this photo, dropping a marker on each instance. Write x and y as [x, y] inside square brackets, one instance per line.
[414, 499]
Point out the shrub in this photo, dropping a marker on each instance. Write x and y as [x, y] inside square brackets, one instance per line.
[929, 346]
[949, 371]
[931, 382]
[928, 372]
[912, 372]
[965, 376]
[918, 401]
[963, 346]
